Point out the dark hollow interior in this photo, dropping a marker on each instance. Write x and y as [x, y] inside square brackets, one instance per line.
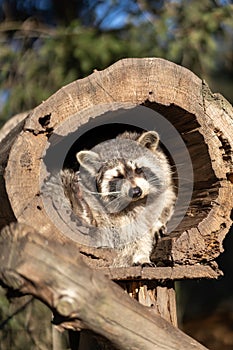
[93, 137]
[205, 186]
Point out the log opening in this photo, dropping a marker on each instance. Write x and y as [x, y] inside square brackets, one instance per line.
[205, 183]
[202, 119]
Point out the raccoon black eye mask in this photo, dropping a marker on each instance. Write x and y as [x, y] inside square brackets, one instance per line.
[119, 178]
[126, 192]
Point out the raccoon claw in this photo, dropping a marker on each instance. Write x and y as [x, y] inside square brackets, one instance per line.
[162, 232]
[146, 264]
[150, 264]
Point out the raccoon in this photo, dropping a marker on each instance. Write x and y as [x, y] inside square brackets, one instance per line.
[124, 188]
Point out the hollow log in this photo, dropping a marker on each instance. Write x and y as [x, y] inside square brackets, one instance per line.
[79, 296]
[85, 112]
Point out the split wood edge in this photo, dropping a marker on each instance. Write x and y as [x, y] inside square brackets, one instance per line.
[56, 275]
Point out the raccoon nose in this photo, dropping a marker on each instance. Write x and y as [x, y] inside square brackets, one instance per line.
[135, 192]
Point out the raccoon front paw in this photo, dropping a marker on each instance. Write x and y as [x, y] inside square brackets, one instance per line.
[141, 259]
[162, 232]
[145, 264]
[150, 264]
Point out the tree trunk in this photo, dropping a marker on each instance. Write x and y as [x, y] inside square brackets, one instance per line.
[82, 114]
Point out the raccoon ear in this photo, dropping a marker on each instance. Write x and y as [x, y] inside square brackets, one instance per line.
[88, 160]
[149, 139]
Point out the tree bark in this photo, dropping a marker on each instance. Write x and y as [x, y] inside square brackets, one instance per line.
[56, 275]
[203, 120]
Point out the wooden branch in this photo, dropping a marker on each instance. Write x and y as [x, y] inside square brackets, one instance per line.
[203, 120]
[56, 275]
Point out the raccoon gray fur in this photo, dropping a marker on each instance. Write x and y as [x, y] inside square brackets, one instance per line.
[124, 188]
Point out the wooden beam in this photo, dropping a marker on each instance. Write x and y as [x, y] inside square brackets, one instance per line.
[162, 273]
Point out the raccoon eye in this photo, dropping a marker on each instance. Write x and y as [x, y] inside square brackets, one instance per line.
[119, 176]
[138, 171]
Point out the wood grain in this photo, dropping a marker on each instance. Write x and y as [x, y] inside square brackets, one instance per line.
[203, 120]
[56, 275]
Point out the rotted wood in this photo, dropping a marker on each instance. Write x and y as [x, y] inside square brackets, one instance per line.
[203, 120]
[159, 296]
[79, 296]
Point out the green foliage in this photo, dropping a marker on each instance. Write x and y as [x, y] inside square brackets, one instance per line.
[34, 64]
[34, 73]
[25, 324]
[198, 34]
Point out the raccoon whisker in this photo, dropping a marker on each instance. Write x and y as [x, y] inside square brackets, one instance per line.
[91, 192]
[182, 178]
[115, 200]
[109, 193]
[154, 182]
[117, 203]
[101, 193]
[153, 179]
[176, 165]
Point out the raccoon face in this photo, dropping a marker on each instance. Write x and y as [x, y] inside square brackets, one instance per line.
[125, 177]
[122, 178]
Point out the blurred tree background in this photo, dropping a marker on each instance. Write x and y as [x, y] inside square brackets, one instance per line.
[45, 44]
